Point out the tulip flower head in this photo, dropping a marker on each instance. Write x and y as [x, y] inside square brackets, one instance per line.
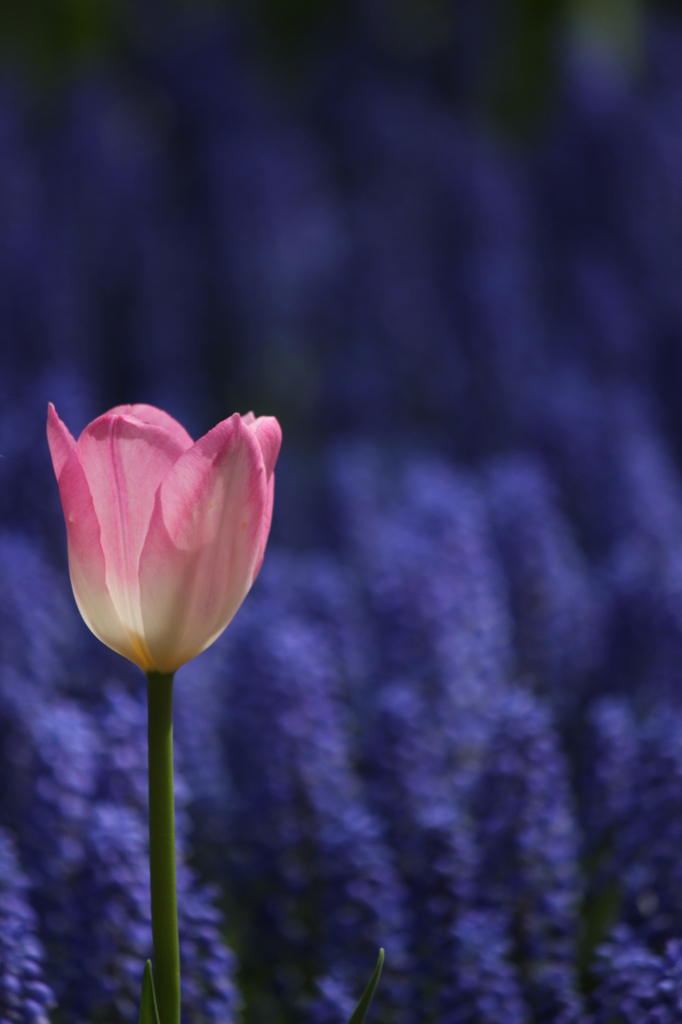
[165, 535]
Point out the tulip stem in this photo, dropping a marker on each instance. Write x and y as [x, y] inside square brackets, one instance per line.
[162, 847]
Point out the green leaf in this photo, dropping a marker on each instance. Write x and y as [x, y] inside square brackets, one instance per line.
[360, 1012]
[148, 1011]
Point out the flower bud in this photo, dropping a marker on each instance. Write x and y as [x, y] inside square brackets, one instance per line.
[165, 535]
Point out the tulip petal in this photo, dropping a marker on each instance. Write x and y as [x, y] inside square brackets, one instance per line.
[265, 527]
[157, 417]
[124, 460]
[203, 543]
[86, 557]
[59, 439]
[269, 436]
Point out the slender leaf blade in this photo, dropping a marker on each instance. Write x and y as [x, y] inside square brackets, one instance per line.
[360, 1012]
[149, 1013]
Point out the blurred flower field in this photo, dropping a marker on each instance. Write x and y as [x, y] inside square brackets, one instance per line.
[448, 718]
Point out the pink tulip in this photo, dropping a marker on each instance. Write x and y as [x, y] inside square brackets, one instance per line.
[165, 535]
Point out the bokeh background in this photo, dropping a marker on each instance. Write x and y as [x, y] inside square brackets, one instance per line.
[442, 243]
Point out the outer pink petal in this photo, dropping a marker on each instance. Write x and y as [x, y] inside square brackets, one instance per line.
[59, 439]
[86, 557]
[159, 418]
[124, 461]
[269, 436]
[203, 543]
[265, 526]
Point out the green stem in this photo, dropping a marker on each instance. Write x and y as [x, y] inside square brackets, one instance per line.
[162, 847]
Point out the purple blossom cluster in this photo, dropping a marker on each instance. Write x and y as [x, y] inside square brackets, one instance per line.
[447, 720]
[636, 984]
[25, 998]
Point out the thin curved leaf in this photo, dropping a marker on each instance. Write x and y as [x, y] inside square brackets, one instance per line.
[149, 1013]
[360, 1012]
